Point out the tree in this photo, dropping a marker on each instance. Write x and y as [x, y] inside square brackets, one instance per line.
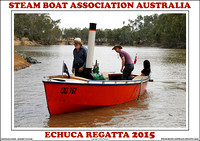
[171, 30]
[38, 27]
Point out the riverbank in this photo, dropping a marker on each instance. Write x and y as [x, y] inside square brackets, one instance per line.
[24, 41]
[19, 62]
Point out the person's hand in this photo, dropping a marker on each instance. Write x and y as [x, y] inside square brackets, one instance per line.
[72, 70]
[121, 69]
[80, 69]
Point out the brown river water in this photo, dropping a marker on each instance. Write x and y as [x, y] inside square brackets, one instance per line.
[162, 106]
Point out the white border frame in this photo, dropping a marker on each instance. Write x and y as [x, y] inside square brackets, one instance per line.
[105, 129]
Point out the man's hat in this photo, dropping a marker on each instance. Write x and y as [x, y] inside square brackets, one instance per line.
[117, 46]
[78, 40]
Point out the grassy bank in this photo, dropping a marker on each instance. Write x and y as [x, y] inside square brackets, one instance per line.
[24, 41]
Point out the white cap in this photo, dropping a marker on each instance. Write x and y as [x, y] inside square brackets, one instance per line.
[78, 40]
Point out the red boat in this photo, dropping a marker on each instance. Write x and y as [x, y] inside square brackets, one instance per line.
[65, 94]
[68, 94]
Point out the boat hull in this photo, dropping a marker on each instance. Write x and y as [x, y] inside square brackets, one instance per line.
[65, 97]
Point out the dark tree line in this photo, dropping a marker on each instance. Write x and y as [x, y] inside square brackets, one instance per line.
[166, 30]
[38, 27]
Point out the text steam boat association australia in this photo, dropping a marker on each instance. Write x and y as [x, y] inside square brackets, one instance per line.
[99, 5]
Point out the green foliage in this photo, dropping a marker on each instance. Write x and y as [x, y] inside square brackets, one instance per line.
[165, 30]
[168, 30]
[171, 30]
[38, 27]
[22, 43]
[76, 32]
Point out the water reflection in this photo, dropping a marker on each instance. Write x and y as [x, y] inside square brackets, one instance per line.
[99, 117]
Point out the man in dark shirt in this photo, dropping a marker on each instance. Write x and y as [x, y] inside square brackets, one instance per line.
[126, 61]
[80, 55]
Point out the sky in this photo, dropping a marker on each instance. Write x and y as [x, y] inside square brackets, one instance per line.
[104, 19]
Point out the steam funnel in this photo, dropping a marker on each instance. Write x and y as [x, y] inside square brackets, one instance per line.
[91, 43]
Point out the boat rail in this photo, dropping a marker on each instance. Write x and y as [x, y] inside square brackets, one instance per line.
[120, 81]
[139, 80]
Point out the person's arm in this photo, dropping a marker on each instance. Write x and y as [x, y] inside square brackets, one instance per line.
[85, 56]
[84, 64]
[123, 62]
[73, 65]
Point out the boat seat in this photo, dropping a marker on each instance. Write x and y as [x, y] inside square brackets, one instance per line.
[139, 77]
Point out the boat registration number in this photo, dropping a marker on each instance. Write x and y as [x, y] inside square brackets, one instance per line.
[68, 90]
